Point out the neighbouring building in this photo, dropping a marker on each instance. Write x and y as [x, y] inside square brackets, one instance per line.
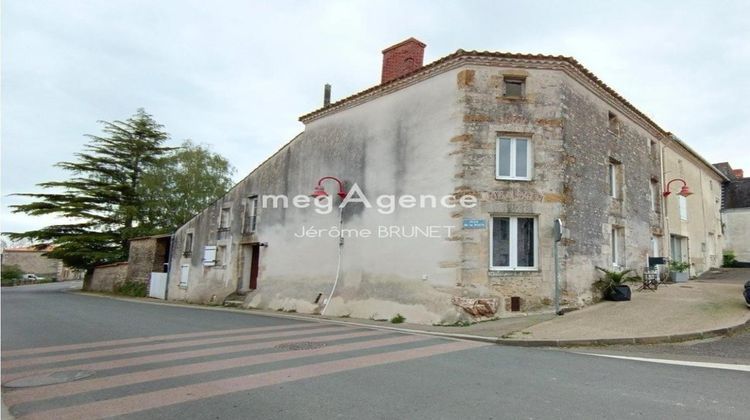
[32, 260]
[147, 255]
[527, 138]
[735, 212]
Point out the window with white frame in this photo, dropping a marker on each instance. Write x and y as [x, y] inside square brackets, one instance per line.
[514, 158]
[683, 207]
[652, 195]
[251, 214]
[614, 178]
[513, 245]
[618, 246]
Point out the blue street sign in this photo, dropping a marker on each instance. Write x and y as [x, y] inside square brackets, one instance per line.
[475, 224]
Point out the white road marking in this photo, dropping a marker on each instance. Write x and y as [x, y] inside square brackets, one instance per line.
[726, 366]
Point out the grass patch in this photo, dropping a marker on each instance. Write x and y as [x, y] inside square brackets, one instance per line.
[398, 319]
[131, 288]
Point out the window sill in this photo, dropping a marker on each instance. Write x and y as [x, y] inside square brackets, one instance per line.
[513, 270]
[181, 286]
[514, 98]
[505, 178]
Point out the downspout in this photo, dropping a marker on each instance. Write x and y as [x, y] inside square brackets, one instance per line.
[338, 264]
[169, 266]
[665, 215]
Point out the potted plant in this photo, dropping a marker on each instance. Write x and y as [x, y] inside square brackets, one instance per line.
[612, 284]
[678, 271]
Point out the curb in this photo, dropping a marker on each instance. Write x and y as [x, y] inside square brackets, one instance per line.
[660, 339]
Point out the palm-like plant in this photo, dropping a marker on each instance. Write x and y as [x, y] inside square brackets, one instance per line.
[612, 279]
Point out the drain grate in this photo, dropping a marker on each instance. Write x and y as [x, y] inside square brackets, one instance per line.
[300, 345]
[49, 378]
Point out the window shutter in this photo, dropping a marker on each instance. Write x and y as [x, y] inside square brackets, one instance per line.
[209, 255]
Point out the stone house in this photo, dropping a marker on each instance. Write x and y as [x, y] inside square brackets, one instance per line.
[735, 212]
[514, 141]
[32, 260]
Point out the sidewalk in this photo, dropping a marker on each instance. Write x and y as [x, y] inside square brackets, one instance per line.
[675, 312]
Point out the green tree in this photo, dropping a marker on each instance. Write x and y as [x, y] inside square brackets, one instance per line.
[183, 183]
[101, 198]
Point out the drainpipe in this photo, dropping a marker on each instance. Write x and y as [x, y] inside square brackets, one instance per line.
[663, 199]
[169, 266]
[338, 265]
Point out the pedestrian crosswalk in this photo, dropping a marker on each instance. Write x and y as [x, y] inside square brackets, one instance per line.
[138, 374]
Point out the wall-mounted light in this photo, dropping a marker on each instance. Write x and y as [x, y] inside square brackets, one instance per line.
[684, 191]
[319, 191]
[263, 244]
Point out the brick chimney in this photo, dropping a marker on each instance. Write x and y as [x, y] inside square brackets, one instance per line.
[401, 59]
[738, 173]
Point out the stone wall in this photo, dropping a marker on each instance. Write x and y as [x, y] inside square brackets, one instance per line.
[737, 222]
[33, 262]
[105, 277]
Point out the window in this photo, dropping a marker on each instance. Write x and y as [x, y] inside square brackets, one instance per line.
[679, 246]
[614, 178]
[209, 255]
[514, 158]
[683, 207]
[514, 86]
[224, 218]
[652, 147]
[618, 246]
[251, 214]
[513, 245]
[651, 194]
[221, 252]
[613, 123]
[188, 248]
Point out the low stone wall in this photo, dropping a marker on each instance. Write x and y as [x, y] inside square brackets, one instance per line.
[105, 277]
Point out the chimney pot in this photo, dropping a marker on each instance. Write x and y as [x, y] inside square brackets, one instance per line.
[738, 173]
[401, 59]
[327, 95]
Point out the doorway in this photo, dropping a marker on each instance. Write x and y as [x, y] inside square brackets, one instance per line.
[249, 269]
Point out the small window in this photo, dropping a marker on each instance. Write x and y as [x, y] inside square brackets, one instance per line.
[614, 179]
[618, 246]
[209, 255]
[614, 123]
[224, 219]
[652, 147]
[221, 254]
[515, 87]
[513, 245]
[683, 207]
[188, 248]
[514, 159]
[251, 214]
[655, 194]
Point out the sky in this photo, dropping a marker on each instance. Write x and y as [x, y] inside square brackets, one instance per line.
[236, 75]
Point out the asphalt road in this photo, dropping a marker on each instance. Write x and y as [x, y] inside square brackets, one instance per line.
[155, 361]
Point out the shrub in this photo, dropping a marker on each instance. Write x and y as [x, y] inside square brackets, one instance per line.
[398, 319]
[131, 288]
[679, 266]
[11, 272]
[729, 259]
